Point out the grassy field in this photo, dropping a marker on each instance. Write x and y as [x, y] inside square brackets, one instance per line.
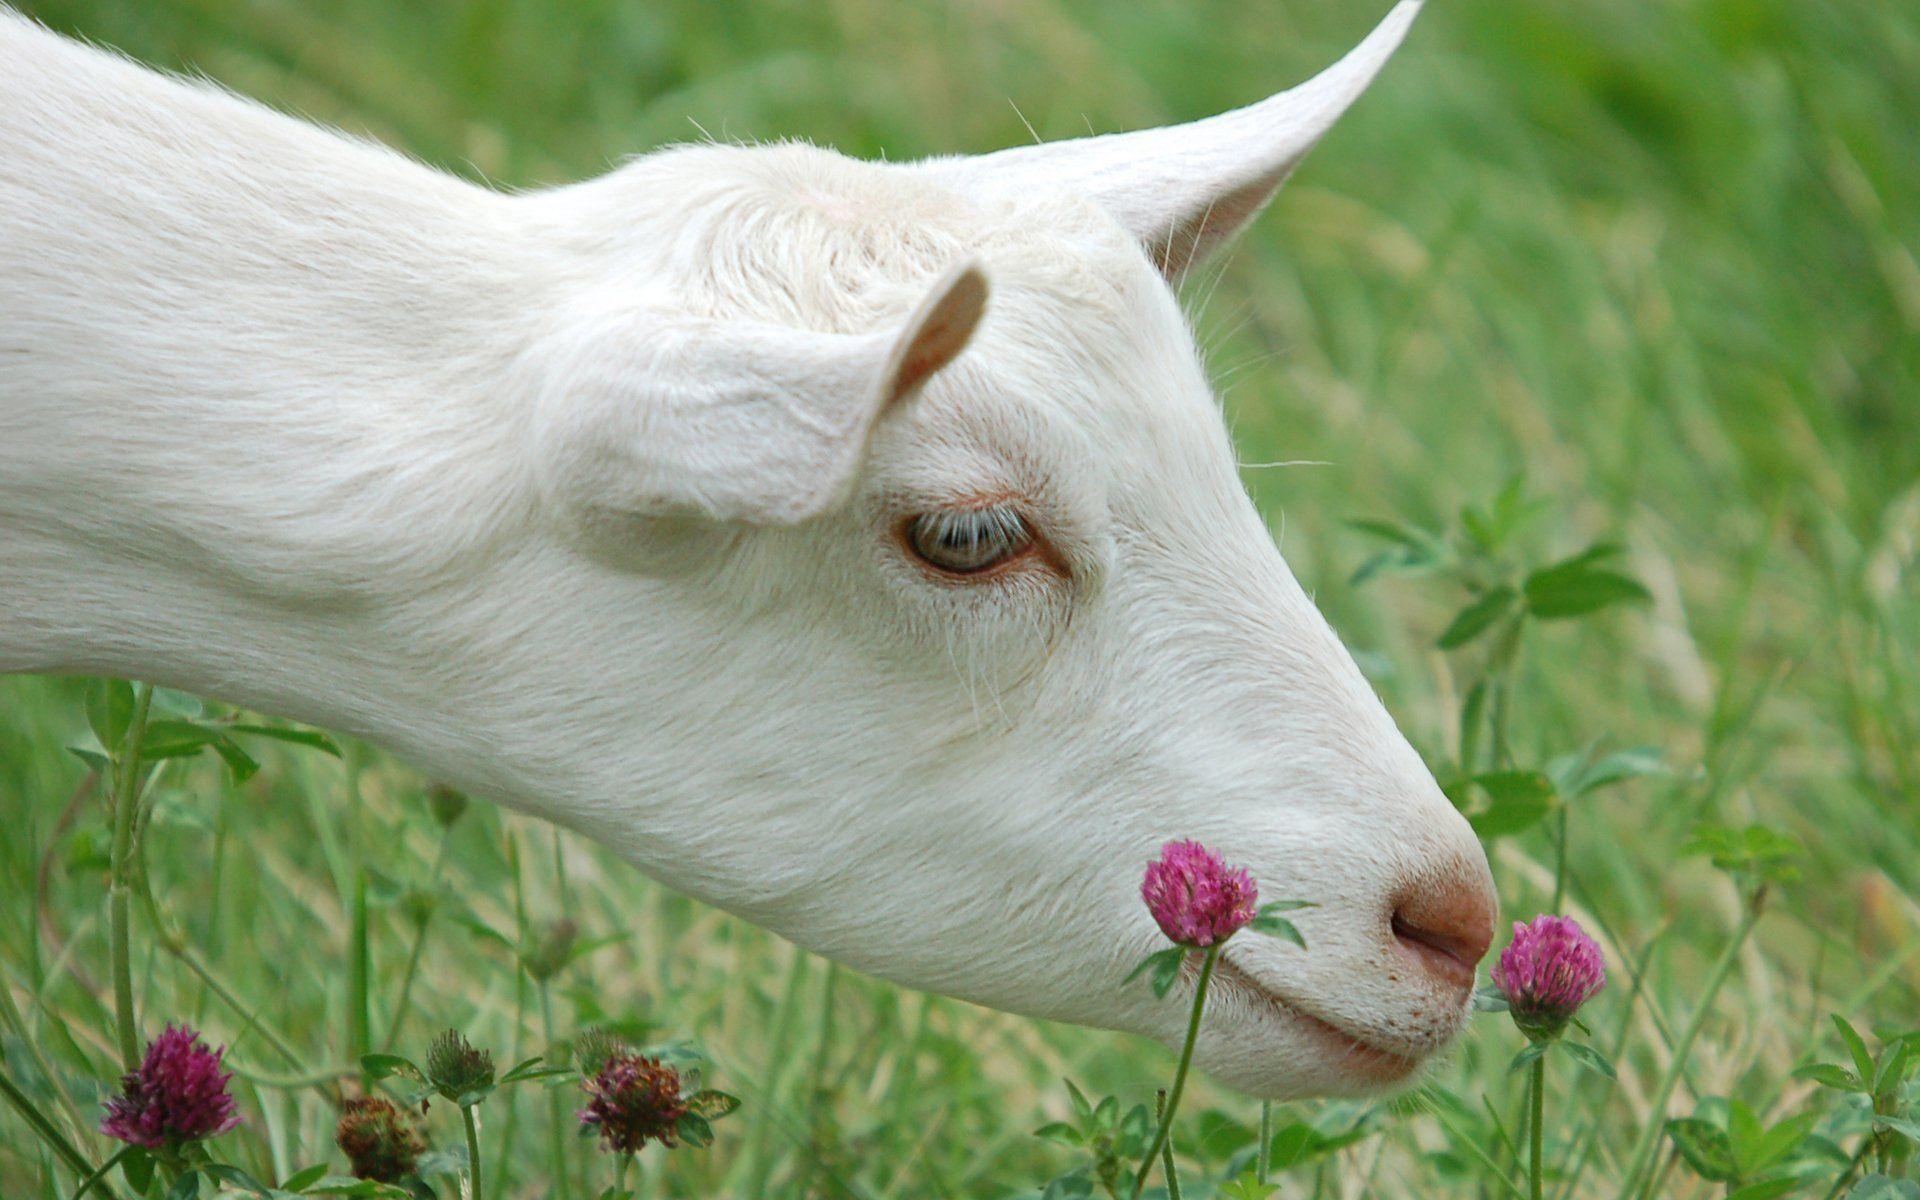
[1657, 259]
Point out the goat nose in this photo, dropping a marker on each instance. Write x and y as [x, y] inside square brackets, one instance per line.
[1446, 928]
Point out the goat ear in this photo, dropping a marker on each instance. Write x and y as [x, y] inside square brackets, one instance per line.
[936, 333]
[652, 415]
[1185, 190]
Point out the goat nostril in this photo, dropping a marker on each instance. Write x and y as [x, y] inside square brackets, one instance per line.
[1449, 933]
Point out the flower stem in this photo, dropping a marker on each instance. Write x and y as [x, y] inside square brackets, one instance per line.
[1536, 1132]
[1656, 1124]
[126, 800]
[98, 1178]
[1853, 1164]
[251, 1016]
[1167, 1168]
[359, 965]
[556, 1102]
[1506, 652]
[473, 1152]
[174, 942]
[48, 1131]
[11, 1018]
[326, 1078]
[1180, 1073]
[1498, 722]
[1263, 1162]
[1560, 864]
[419, 946]
[757, 1162]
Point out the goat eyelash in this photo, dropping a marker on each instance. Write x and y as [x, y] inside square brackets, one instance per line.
[968, 541]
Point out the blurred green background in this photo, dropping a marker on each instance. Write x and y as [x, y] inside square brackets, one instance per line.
[1659, 257]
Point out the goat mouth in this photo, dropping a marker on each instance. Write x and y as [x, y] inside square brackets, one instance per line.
[1356, 1055]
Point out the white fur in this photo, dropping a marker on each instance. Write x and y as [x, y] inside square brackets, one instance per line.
[586, 500]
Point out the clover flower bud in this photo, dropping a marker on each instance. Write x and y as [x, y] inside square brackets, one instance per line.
[447, 804]
[594, 1048]
[381, 1142]
[634, 1100]
[551, 951]
[178, 1095]
[1195, 897]
[1547, 972]
[455, 1068]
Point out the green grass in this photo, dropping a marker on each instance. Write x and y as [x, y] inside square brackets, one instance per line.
[1661, 258]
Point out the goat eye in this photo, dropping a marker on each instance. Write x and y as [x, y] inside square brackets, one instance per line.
[968, 541]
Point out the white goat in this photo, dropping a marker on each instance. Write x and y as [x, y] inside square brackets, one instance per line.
[699, 508]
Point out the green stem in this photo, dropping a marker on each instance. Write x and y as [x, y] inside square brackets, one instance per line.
[1560, 867]
[503, 1145]
[251, 1016]
[44, 1126]
[473, 1152]
[1166, 1153]
[817, 1083]
[175, 944]
[406, 986]
[1180, 1073]
[1657, 1186]
[419, 946]
[758, 1161]
[1853, 1164]
[1537, 1132]
[1498, 723]
[560, 873]
[16, 1021]
[823, 1044]
[906, 1075]
[359, 1018]
[1470, 1142]
[359, 1027]
[556, 1101]
[1510, 1151]
[98, 1178]
[319, 1077]
[1500, 666]
[1576, 1163]
[1263, 1161]
[1651, 1132]
[120, 894]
